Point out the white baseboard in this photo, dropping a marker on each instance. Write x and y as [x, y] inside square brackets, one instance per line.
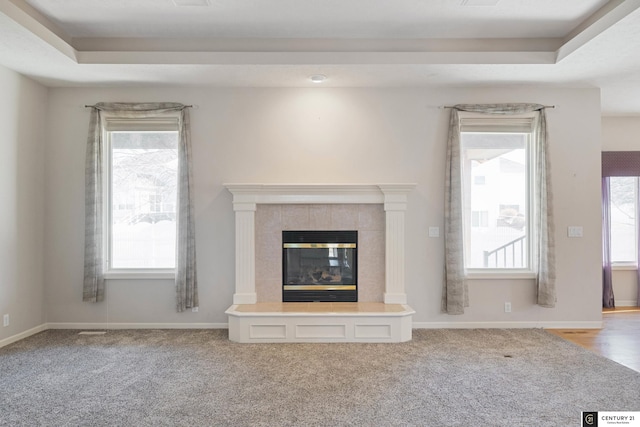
[626, 303]
[73, 325]
[23, 335]
[508, 325]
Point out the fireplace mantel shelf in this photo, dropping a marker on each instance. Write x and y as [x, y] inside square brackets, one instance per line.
[246, 197]
[317, 193]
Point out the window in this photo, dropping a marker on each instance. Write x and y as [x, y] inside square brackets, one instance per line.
[141, 176]
[496, 155]
[624, 223]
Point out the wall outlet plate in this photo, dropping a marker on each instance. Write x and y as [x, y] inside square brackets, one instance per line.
[507, 307]
[574, 231]
[5, 320]
[434, 231]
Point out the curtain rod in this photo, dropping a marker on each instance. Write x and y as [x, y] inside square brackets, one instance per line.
[93, 106]
[453, 106]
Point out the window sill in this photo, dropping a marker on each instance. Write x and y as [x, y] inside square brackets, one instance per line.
[499, 275]
[139, 274]
[623, 267]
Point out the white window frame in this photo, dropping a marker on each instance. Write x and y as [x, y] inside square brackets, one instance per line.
[629, 265]
[170, 122]
[476, 123]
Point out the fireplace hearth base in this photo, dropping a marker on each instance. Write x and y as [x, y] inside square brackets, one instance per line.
[320, 322]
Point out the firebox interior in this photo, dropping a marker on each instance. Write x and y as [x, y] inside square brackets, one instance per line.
[319, 266]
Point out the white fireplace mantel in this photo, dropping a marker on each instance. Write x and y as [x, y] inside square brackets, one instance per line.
[247, 196]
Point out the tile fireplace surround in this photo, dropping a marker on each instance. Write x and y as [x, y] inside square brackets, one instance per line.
[252, 319]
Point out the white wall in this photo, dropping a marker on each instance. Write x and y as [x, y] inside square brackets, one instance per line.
[323, 135]
[22, 116]
[622, 134]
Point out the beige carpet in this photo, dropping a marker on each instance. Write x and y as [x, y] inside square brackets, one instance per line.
[515, 377]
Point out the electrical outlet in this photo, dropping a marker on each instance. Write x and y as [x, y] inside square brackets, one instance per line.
[194, 309]
[507, 307]
[5, 320]
[574, 231]
[434, 231]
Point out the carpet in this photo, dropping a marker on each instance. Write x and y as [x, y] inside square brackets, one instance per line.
[443, 377]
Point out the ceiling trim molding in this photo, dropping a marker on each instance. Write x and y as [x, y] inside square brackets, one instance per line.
[596, 24]
[314, 58]
[36, 23]
[256, 51]
[262, 44]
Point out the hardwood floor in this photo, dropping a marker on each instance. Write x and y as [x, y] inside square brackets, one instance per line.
[618, 340]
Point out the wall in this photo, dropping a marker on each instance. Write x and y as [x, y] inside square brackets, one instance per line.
[22, 114]
[324, 135]
[622, 134]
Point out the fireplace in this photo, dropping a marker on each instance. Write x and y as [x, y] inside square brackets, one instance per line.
[252, 320]
[320, 266]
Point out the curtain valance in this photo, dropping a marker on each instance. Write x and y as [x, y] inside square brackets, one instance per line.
[620, 163]
[503, 109]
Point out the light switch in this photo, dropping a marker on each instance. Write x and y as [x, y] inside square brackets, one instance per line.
[574, 231]
[434, 231]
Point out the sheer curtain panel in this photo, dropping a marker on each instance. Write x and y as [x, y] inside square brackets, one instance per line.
[93, 288]
[186, 277]
[608, 300]
[455, 296]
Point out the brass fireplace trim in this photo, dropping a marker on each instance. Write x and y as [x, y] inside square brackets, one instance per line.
[319, 287]
[319, 245]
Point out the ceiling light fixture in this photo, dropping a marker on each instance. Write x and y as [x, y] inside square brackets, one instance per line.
[191, 2]
[479, 2]
[318, 78]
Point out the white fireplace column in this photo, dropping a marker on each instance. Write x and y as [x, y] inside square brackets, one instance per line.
[245, 254]
[395, 205]
[247, 196]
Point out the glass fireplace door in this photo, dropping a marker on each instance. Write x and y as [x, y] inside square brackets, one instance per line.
[317, 270]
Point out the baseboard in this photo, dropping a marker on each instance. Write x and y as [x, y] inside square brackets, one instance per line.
[23, 335]
[626, 303]
[73, 325]
[508, 325]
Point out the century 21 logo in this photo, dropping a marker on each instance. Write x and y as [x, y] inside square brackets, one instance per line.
[590, 419]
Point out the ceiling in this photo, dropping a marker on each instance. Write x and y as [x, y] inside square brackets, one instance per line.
[355, 43]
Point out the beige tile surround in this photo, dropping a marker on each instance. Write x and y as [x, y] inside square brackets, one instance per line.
[368, 219]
